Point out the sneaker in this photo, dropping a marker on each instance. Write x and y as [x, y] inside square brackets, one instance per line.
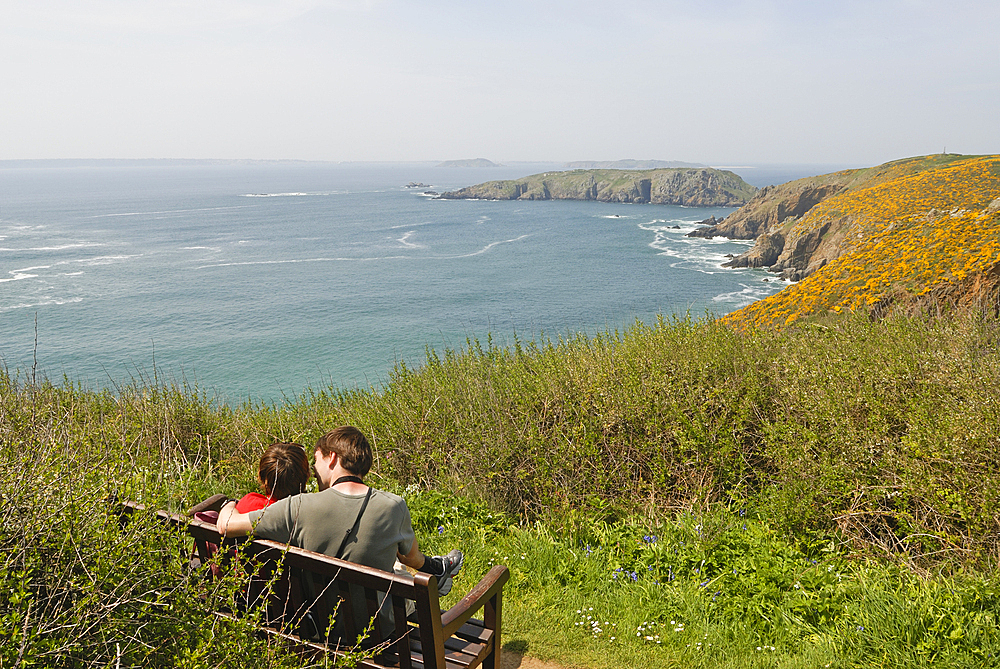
[452, 564]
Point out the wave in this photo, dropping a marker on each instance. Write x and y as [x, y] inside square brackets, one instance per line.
[293, 261]
[749, 293]
[43, 303]
[105, 260]
[276, 195]
[18, 275]
[62, 247]
[695, 253]
[485, 248]
[411, 225]
[168, 211]
[403, 240]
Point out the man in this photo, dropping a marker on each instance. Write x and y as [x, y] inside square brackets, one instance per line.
[324, 521]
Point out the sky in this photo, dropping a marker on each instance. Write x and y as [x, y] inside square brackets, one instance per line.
[723, 82]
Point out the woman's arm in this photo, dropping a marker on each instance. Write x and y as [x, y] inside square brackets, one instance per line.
[232, 523]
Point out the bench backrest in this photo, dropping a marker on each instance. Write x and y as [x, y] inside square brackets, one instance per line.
[311, 587]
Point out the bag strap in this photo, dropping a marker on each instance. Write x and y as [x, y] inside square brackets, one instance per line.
[354, 528]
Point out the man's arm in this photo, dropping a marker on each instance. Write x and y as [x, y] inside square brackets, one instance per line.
[232, 523]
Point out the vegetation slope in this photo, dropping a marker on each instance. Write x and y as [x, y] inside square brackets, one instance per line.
[917, 232]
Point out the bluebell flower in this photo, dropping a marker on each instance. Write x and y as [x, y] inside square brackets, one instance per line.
[440, 529]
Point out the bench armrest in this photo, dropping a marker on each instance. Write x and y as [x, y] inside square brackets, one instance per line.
[213, 503]
[489, 586]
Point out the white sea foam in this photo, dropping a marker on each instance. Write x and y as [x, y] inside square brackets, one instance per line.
[298, 260]
[694, 253]
[43, 303]
[64, 247]
[276, 194]
[71, 274]
[404, 240]
[18, 275]
[411, 225]
[168, 211]
[485, 248]
[105, 260]
[749, 293]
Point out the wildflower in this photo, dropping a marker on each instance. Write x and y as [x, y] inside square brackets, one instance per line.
[440, 529]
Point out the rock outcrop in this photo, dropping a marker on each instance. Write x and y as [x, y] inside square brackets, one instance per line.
[771, 207]
[697, 187]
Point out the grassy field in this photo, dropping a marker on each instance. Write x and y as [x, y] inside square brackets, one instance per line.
[680, 494]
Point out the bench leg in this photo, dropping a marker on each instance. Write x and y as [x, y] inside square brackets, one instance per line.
[491, 618]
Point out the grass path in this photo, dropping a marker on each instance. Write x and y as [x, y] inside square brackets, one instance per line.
[512, 660]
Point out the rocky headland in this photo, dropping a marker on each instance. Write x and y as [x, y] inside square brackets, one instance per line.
[920, 233]
[690, 187]
[772, 218]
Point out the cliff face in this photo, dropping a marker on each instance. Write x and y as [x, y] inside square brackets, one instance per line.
[772, 205]
[700, 187]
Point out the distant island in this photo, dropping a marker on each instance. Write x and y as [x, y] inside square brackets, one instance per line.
[690, 187]
[469, 162]
[628, 164]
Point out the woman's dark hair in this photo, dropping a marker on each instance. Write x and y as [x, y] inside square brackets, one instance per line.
[284, 470]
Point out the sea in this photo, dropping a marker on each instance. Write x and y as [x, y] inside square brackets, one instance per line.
[258, 281]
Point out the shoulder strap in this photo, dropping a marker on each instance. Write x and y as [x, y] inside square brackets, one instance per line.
[354, 528]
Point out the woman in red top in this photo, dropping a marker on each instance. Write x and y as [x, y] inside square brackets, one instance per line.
[284, 470]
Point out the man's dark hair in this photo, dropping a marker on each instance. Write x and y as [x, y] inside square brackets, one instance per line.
[350, 446]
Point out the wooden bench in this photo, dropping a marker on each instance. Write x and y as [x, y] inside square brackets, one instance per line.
[285, 581]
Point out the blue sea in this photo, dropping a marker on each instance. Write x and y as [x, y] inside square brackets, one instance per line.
[260, 280]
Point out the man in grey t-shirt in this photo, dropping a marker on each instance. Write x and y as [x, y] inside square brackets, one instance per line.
[320, 521]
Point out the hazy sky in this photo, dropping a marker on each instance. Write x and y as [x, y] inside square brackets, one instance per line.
[711, 81]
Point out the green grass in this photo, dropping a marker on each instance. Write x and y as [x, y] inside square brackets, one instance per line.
[826, 493]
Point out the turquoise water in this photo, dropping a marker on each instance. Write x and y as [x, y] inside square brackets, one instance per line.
[257, 281]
